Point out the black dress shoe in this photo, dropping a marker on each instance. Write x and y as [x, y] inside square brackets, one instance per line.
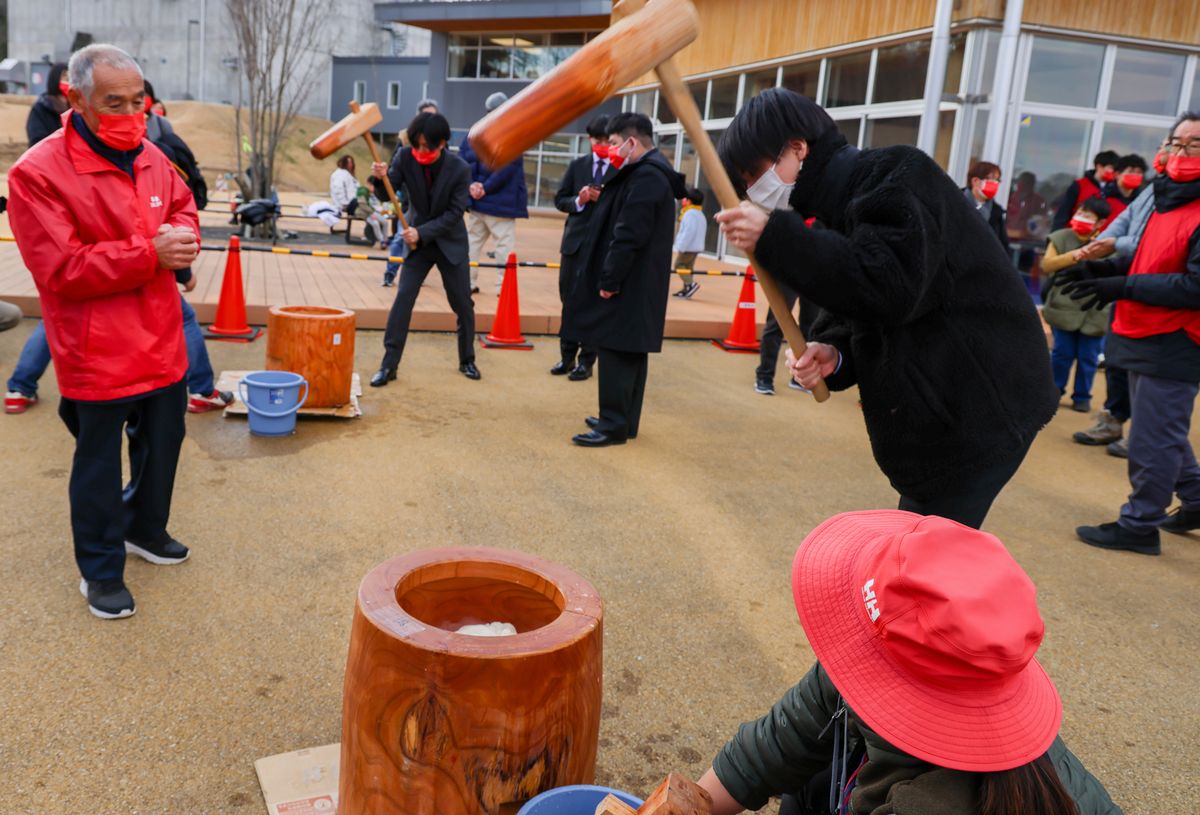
[469, 370]
[580, 373]
[594, 421]
[1181, 521]
[562, 367]
[1114, 536]
[382, 377]
[596, 439]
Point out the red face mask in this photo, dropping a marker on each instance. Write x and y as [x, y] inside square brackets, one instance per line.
[615, 158]
[1133, 180]
[63, 87]
[1183, 168]
[426, 157]
[600, 150]
[989, 187]
[1160, 163]
[1107, 175]
[1082, 228]
[122, 131]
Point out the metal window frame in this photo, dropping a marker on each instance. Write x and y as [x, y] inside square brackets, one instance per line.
[393, 83]
[360, 98]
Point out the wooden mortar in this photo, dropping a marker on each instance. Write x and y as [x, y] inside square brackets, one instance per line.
[317, 343]
[440, 723]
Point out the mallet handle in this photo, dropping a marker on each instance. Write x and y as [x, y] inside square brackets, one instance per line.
[387, 182]
[685, 110]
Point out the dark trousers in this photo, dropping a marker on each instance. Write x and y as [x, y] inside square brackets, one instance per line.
[103, 516]
[1074, 348]
[569, 348]
[1161, 461]
[969, 502]
[772, 335]
[456, 278]
[622, 386]
[1116, 382]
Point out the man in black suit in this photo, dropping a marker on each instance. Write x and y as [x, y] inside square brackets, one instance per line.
[619, 302]
[437, 184]
[577, 196]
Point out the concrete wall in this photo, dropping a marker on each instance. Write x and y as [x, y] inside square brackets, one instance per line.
[158, 34]
[411, 72]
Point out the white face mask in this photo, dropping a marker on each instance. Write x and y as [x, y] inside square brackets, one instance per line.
[769, 191]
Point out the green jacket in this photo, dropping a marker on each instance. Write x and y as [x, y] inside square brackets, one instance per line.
[1059, 309]
[780, 752]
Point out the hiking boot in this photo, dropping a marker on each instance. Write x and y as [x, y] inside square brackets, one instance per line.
[1114, 536]
[764, 386]
[17, 402]
[164, 554]
[1119, 449]
[107, 599]
[204, 403]
[1106, 430]
[1181, 521]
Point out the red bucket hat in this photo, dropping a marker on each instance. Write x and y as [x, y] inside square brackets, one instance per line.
[928, 629]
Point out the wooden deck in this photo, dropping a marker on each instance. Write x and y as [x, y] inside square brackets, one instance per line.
[272, 279]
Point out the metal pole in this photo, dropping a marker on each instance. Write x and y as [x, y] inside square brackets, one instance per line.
[1006, 67]
[187, 94]
[935, 77]
[203, 52]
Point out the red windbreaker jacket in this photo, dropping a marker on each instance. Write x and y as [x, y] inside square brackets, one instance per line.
[85, 230]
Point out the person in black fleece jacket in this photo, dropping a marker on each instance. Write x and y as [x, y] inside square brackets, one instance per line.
[920, 306]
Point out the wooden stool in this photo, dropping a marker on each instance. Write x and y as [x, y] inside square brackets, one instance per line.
[317, 343]
[440, 723]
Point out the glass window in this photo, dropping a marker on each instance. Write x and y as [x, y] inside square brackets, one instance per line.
[1146, 82]
[1194, 103]
[463, 39]
[688, 162]
[666, 146]
[711, 205]
[1140, 139]
[642, 102]
[945, 136]
[954, 64]
[803, 78]
[666, 116]
[759, 81]
[699, 92]
[723, 101]
[900, 72]
[1051, 152]
[360, 91]
[393, 95]
[850, 129]
[463, 63]
[1064, 72]
[559, 143]
[991, 49]
[978, 138]
[553, 170]
[531, 183]
[567, 38]
[494, 63]
[846, 83]
[886, 132]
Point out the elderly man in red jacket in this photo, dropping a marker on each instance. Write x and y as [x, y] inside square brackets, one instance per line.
[104, 223]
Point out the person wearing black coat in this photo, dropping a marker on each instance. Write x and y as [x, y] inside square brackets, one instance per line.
[920, 306]
[983, 181]
[619, 300]
[437, 184]
[45, 116]
[577, 195]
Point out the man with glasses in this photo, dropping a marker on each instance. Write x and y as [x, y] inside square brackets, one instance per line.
[1156, 338]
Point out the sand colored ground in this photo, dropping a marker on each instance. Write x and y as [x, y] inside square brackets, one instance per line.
[688, 533]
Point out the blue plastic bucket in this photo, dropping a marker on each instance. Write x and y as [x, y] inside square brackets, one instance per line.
[272, 397]
[575, 800]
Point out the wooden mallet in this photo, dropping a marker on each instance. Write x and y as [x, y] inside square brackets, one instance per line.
[645, 38]
[358, 123]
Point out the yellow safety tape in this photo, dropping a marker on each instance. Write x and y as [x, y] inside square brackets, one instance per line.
[319, 254]
[280, 250]
[359, 257]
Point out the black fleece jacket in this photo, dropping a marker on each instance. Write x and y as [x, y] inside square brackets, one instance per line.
[940, 336]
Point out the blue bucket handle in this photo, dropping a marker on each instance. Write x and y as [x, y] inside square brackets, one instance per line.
[266, 414]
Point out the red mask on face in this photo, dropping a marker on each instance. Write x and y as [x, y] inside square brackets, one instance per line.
[1160, 163]
[63, 87]
[989, 187]
[1183, 168]
[426, 157]
[601, 150]
[1133, 180]
[1082, 228]
[1107, 175]
[615, 158]
[122, 131]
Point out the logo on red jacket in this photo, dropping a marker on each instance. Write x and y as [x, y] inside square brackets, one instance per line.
[155, 202]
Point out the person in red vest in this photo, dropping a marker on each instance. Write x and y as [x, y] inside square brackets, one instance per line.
[1120, 192]
[105, 225]
[1156, 338]
[1091, 183]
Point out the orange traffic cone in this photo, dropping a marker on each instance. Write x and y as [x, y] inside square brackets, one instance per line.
[506, 328]
[231, 308]
[743, 337]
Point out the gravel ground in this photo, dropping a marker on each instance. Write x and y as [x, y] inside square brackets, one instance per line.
[688, 533]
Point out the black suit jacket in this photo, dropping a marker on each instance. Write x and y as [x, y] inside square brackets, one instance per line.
[437, 217]
[577, 176]
[627, 249]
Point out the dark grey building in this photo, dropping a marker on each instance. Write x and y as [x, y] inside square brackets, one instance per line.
[478, 47]
[396, 84]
